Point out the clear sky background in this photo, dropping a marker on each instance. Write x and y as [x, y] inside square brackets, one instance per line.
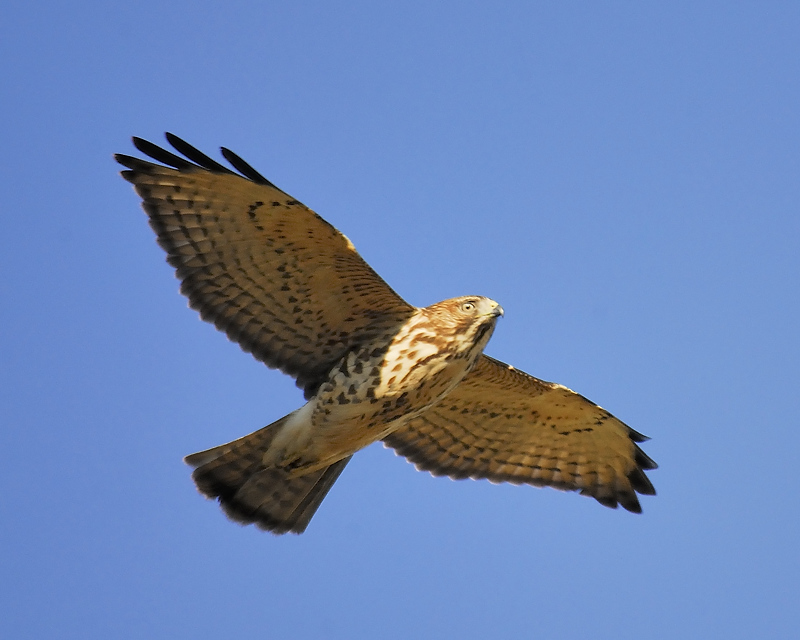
[623, 177]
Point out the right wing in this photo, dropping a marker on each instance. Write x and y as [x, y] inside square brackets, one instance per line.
[264, 268]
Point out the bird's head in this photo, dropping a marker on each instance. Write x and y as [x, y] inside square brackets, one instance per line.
[468, 319]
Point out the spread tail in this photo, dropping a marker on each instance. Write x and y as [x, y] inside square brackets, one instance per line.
[250, 493]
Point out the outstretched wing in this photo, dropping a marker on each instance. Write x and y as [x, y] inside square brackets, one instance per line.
[264, 268]
[507, 426]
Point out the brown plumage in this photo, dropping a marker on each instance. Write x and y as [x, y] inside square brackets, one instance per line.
[292, 290]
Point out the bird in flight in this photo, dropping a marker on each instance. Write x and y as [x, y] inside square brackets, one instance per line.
[291, 290]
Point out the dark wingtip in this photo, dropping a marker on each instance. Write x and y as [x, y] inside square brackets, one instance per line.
[125, 160]
[193, 159]
[633, 506]
[161, 155]
[634, 435]
[607, 501]
[641, 483]
[195, 155]
[244, 168]
[643, 460]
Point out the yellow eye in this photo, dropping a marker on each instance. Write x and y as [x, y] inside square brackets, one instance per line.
[468, 306]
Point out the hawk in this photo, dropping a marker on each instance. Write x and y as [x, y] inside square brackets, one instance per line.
[291, 290]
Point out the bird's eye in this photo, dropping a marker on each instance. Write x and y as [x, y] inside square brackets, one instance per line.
[468, 306]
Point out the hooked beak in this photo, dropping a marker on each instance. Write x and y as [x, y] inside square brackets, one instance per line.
[497, 311]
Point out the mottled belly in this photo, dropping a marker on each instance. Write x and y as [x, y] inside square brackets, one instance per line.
[366, 398]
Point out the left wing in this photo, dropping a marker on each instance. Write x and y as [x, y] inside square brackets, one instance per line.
[507, 426]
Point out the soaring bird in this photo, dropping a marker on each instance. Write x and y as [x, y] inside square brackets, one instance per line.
[291, 290]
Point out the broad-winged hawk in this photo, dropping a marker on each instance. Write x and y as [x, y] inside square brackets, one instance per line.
[292, 290]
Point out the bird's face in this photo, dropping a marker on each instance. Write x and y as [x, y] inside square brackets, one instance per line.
[483, 313]
[470, 318]
[478, 307]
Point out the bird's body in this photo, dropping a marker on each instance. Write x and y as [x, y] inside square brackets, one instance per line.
[293, 291]
[372, 391]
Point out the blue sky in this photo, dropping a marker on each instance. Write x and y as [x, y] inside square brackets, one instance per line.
[621, 176]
